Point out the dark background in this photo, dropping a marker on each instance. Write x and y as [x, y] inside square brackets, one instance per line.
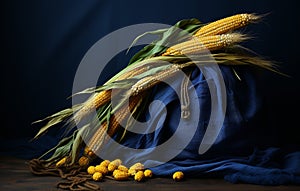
[43, 42]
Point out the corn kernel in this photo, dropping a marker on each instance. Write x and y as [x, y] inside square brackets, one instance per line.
[131, 172]
[102, 169]
[137, 166]
[91, 170]
[97, 176]
[123, 168]
[148, 173]
[61, 162]
[116, 162]
[116, 172]
[121, 176]
[83, 161]
[113, 165]
[105, 163]
[177, 176]
[139, 176]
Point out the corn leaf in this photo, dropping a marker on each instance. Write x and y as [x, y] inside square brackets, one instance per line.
[174, 34]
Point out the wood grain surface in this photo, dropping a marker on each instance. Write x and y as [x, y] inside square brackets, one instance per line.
[15, 176]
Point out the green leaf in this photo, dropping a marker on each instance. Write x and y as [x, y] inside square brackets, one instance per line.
[174, 34]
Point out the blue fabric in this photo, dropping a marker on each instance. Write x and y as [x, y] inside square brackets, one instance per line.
[235, 155]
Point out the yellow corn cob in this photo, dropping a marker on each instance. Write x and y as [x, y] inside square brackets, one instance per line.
[132, 73]
[149, 81]
[226, 24]
[104, 96]
[122, 114]
[202, 44]
[91, 104]
[99, 137]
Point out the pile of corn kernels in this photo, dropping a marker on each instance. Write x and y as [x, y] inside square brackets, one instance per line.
[119, 172]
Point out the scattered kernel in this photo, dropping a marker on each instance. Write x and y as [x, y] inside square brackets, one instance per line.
[97, 176]
[121, 176]
[177, 176]
[91, 154]
[91, 170]
[102, 169]
[116, 172]
[113, 165]
[123, 168]
[61, 162]
[137, 166]
[117, 162]
[131, 172]
[105, 163]
[83, 161]
[148, 173]
[139, 176]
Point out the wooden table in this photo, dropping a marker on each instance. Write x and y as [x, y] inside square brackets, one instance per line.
[15, 176]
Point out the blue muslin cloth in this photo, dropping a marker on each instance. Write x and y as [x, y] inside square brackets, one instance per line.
[239, 154]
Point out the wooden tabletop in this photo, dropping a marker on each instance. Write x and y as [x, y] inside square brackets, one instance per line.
[15, 176]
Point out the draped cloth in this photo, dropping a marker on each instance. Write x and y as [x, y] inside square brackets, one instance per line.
[239, 153]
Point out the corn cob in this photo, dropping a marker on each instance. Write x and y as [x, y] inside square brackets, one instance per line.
[132, 73]
[202, 44]
[226, 24]
[99, 137]
[104, 96]
[149, 81]
[96, 101]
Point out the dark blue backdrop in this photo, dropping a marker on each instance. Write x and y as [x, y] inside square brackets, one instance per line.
[43, 42]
